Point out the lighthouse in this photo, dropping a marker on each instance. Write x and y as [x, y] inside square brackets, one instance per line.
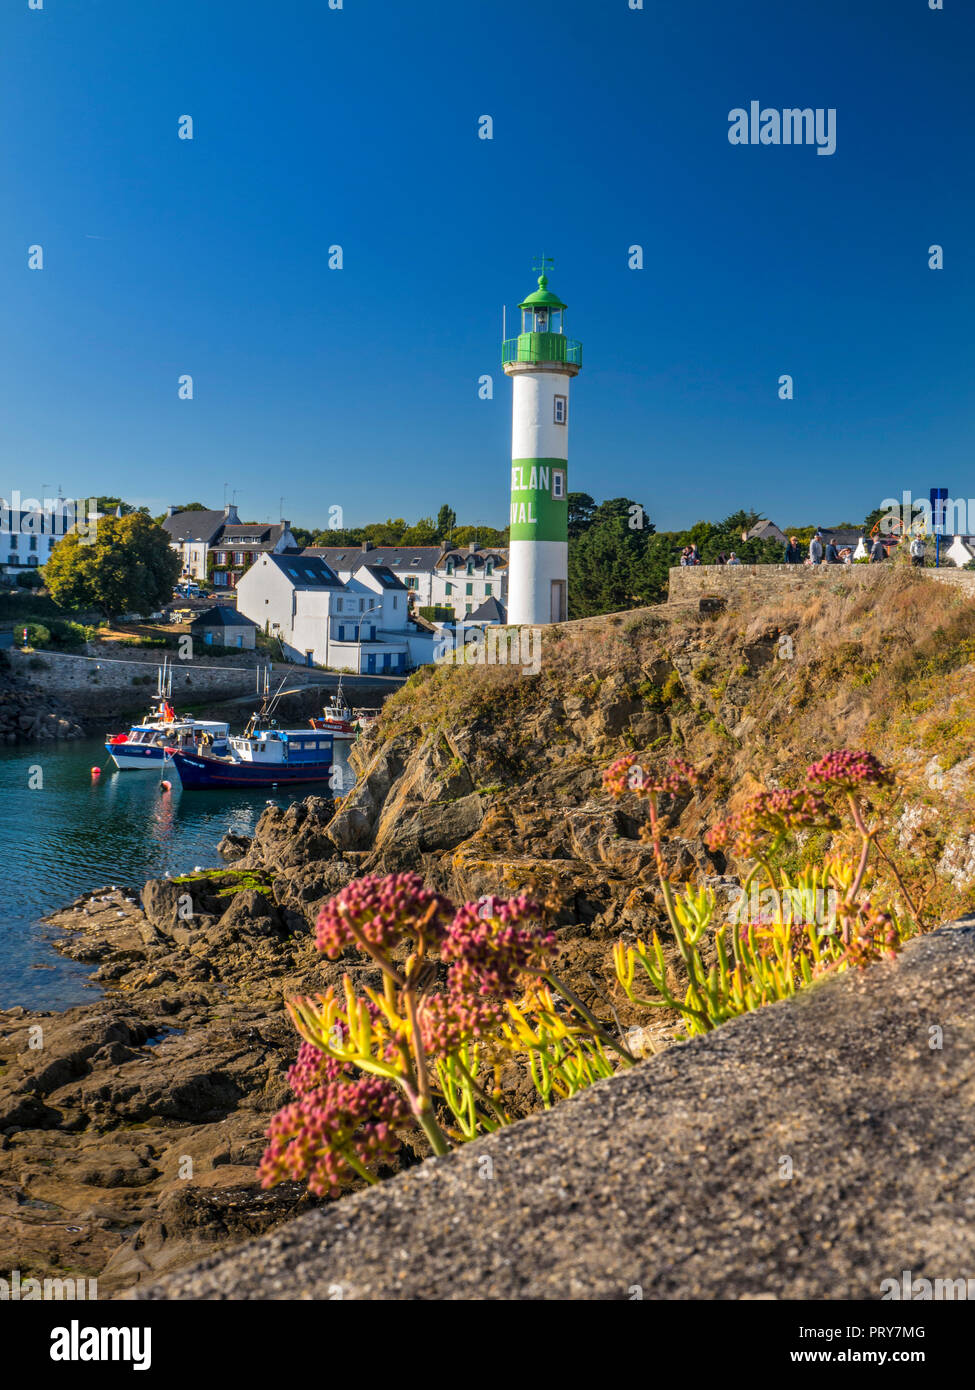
[541, 362]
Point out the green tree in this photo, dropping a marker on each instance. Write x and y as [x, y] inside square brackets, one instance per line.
[482, 535]
[582, 507]
[446, 521]
[128, 565]
[425, 532]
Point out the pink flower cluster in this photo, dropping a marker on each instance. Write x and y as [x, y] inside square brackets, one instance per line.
[769, 814]
[448, 1021]
[628, 775]
[488, 944]
[312, 1070]
[849, 771]
[491, 941]
[382, 911]
[313, 1138]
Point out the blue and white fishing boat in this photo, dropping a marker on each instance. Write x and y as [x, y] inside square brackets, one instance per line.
[148, 746]
[262, 756]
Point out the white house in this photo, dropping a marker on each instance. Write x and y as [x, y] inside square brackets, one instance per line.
[465, 579]
[28, 534]
[415, 565]
[360, 626]
[220, 547]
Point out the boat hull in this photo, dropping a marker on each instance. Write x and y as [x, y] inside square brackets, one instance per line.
[341, 731]
[136, 757]
[198, 771]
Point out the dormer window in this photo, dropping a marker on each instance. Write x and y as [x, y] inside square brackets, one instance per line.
[450, 567]
[470, 567]
[488, 568]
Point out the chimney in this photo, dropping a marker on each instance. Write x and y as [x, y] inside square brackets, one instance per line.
[171, 510]
[230, 513]
[286, 524]
[473, 548]
[366, 545]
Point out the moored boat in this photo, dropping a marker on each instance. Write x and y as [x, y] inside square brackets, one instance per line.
[262, 756]
[337, 719]
[147, 745]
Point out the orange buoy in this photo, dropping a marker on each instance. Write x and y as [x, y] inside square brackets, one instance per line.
[96, 772]
[165, 786]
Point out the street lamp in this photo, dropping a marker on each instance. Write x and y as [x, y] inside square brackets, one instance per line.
[358, 635]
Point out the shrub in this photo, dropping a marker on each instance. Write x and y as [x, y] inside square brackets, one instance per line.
[35, 635]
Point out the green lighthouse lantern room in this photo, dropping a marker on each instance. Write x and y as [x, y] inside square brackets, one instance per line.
[542, 337]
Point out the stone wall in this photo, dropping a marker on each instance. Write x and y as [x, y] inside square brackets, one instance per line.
[101, 685]
[692, 582]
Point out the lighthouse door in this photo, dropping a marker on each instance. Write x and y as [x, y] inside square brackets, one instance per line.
[558, 601]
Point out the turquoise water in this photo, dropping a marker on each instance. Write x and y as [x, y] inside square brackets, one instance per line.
[71, 834]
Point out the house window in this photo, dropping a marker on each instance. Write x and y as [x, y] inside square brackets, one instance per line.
[14, 560]
[448, 589]
[13, 542]
[558, 483]
[395, 601]
[221, 557]
[561, 409]
[238, 557]
[489, 567]
[487, 590]
[32, 543]
[468, 588]
[470, 567]
[450, 567]
[341, 632]
[32, 560]
[467, 609]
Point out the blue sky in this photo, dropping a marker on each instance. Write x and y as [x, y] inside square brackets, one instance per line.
[358, 387]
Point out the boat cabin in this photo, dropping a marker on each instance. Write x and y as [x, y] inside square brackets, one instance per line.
[291, 746]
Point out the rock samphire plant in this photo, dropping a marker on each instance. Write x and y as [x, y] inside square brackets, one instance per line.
[466, 990]
[826, 917]
[416, 1049]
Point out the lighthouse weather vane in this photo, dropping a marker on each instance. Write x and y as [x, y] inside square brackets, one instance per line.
[545, 267]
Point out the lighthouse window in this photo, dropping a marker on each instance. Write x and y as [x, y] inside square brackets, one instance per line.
[558, 483]
[561, 409]
[541, 321]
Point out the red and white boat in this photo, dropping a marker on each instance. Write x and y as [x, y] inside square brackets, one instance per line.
[343, 723]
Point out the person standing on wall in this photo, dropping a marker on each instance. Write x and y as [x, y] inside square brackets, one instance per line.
[816, 550]
[792, 555]
[917, 552]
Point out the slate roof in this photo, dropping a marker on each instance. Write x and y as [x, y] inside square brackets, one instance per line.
[461, 557]
[490, 611]
[306, 571]
[405, 558]
[386, 577]
[221, 616]
[194, 526]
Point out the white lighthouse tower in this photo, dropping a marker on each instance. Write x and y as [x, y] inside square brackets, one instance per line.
[541, 362]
